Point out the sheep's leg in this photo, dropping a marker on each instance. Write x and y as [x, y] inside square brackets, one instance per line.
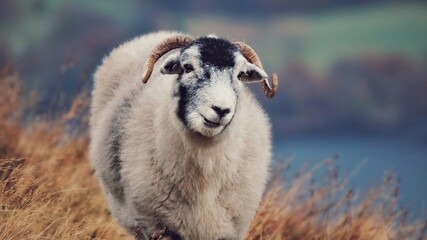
[163, 233]
[138, 233]
[159, 233]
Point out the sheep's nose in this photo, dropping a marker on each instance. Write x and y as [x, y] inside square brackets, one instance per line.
[221, 111]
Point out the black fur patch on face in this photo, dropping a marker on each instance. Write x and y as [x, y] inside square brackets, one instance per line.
[183, 101]
[216, 52]
[186, 99]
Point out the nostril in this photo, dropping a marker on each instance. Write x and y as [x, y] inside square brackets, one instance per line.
[221, 111]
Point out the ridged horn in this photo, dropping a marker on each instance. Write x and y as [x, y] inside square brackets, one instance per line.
[253, 58]
[174, 42]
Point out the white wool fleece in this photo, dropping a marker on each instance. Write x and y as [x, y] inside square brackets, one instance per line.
[158, 173]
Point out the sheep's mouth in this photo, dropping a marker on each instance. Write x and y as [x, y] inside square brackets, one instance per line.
[210, 124]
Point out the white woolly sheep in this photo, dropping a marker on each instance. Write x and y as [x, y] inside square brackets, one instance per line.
[186, 155]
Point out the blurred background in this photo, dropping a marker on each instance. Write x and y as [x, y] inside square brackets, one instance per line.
[353, 74]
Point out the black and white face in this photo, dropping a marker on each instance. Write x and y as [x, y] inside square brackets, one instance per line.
[210, 74]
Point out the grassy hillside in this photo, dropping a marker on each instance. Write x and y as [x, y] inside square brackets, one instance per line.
[400, 29]
[48, 190]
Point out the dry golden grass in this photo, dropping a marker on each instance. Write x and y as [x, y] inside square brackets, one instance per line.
[48, 190]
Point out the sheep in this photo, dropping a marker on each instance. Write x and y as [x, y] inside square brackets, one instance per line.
[187, 154]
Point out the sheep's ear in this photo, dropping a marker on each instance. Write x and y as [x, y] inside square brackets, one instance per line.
[251, 73]
[171, 65]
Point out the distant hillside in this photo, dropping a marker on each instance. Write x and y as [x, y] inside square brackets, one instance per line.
[321, 39]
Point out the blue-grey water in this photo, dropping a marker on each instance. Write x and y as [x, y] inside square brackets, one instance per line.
[370, 157]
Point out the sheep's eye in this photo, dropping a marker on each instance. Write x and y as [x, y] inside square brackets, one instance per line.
[188, 68]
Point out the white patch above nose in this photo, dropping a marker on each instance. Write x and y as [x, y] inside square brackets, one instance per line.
[221, 93]
[218, 94]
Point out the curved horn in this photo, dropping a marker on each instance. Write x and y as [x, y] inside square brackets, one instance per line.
[162, 48]
[253, 58]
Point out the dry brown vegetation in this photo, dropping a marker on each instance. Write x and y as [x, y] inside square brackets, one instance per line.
[48, 191]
